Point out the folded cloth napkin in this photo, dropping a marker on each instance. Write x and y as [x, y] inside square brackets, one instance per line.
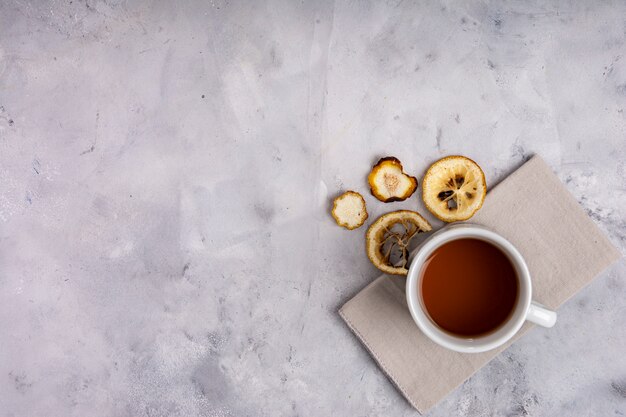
[564, 251]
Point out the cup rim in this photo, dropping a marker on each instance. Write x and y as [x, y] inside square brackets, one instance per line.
[447, 340]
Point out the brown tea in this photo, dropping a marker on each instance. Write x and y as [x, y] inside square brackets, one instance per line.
[469, 287]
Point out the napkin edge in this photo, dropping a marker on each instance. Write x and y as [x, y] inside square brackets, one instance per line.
[377, 359]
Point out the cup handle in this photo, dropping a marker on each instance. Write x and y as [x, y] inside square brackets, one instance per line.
[540, 315]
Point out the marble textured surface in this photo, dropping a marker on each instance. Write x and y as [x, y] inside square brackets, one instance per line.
[165, 175]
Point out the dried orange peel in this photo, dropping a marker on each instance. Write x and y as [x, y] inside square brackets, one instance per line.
[454, 188]
[387, 240]
[389, 182]
[349, 210]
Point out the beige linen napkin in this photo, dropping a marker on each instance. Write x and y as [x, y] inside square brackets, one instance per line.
[563, 248]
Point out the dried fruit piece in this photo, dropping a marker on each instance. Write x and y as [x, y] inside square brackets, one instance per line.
[454, 188]
[349, 210]
[387, 240]
[389, 182]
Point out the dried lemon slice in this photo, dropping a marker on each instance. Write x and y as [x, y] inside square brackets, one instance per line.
[388, 238]
[349, 210]
[389, 182]
[454, 188]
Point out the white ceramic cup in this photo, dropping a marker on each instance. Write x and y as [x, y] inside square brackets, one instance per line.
[525, 308]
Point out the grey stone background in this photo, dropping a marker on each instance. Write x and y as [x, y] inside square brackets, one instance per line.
[165, 176]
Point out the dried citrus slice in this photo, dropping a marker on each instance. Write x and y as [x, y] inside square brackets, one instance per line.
[387, 240]
[454, 188]
[349, 210]
[389, 182]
